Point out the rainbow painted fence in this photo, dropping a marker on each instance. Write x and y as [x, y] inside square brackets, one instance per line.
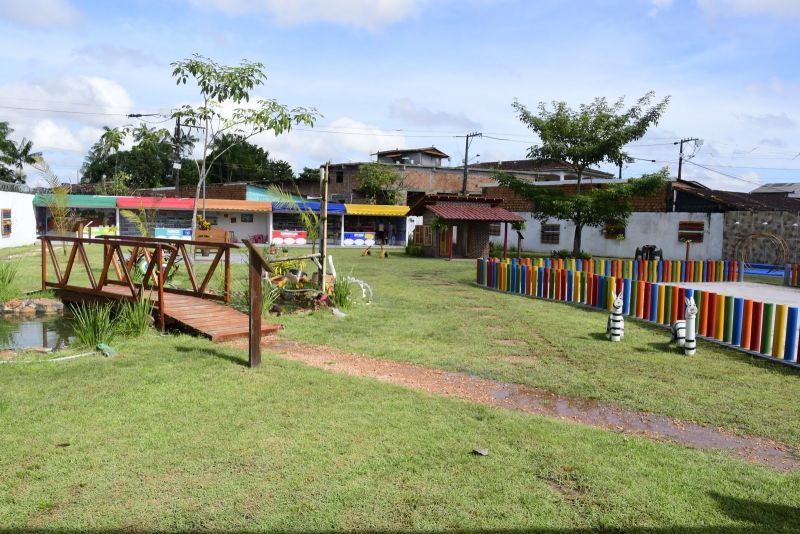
[764, 329]
[648, 271]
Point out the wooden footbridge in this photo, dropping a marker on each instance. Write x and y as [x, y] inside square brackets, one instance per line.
[196, 308]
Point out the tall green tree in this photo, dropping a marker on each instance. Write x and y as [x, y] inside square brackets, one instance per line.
[606, 204]
[18, 155]
[378, 182]
[219, 84]
[594, 133]
[6, 174]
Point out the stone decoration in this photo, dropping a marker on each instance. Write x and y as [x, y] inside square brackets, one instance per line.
[37, 306]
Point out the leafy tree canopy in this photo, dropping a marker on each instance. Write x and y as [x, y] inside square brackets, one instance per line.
[607, 204]
[592, 134]
[218, 84]
[378, 182]
[309, 174]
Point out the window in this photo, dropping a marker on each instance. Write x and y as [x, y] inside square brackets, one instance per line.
[494, 229]
[614, 231]
[339, 177]
[691, 231]
[427, 235]
[246, 217]
[551, 234]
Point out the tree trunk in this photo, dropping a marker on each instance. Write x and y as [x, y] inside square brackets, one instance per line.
[576, 242]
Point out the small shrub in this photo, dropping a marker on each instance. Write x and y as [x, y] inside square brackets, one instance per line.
[566, 253]
[240, 295]
[342, 293]
[135, 318]
[8, 272]
[93, 324]
[415, 249]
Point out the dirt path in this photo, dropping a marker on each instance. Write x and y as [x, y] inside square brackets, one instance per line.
[532, 400]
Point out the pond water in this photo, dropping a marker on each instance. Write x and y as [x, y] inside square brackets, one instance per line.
[48, 331]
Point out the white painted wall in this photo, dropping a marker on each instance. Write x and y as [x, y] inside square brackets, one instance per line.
[412, 222]
[260, 225]
[660, 229]
[23, 219]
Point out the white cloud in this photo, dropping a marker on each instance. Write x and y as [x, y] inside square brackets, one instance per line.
[409, 111]
[342, 140]
[370, 15]
[39, 13]
[47, 135]
[659, 5]
[770, 121]
[777, 8]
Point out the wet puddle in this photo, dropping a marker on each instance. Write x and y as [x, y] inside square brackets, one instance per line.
[52, 331]
[532, 400]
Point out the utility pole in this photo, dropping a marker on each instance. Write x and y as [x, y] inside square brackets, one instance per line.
[176, 166]
[323, 224]
[467, 141]
[680, 157]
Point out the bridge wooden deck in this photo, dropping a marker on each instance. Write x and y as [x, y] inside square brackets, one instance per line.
[208, 318]
[196, 309]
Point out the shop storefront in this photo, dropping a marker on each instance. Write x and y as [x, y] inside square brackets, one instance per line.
[288, 229]
[94, 215]
[371, 224]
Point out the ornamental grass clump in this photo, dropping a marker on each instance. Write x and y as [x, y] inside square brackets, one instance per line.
[8, 272]
[134, 318]
[342, 293]
[93, 324]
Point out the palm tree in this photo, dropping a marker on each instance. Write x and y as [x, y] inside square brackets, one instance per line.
[5, 172]
[111, 141]
[18, 155]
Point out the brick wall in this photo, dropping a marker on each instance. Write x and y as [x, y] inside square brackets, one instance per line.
[226, 192]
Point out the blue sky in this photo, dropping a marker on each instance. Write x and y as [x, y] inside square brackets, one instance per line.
[404, 73]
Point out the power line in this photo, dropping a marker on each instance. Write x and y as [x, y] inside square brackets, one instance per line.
[724, 173]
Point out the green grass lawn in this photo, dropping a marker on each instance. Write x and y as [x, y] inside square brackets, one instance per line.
[176, 434]
[429, 312]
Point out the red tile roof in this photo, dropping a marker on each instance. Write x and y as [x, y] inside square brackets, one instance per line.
[474, 213]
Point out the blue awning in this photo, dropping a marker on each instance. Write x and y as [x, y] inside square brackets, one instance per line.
[283, 207]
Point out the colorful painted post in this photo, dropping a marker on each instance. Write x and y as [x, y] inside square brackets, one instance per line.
[727, 333]
[540, 282]
[570, 290]
[790, 348]
[755, 330]
[738, 310]
[667, 304]
[654, 307]
[779, 335]
[767, 323]
[747, 323]
[662, 290]
[639, 298]
[626, 296]
[720, 325]
[647, 295]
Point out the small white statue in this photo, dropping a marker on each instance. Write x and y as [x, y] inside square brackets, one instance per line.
[615, 327]
[684, 332]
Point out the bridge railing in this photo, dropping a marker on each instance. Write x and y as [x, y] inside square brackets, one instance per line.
[160, 255]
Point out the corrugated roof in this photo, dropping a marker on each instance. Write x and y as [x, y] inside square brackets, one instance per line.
[734, 201]
[474, 213]
[78, 201]
[376, 209]
[161, 203]
[538, 165]
[241, 206]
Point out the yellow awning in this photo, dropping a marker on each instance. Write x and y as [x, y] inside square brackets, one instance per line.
[376, 209]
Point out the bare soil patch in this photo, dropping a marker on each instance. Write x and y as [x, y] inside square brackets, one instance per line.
[531, 400]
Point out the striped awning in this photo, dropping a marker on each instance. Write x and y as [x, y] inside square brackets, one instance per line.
[376, 209]
[78, 201]
[159, 203]
[238, 206]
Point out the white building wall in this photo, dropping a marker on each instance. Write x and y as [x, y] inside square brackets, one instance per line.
[659, 229]
[260, 225]
[23, 219]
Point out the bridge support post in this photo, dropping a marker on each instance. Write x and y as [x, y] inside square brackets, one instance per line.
[160, 266]
[255, 268]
